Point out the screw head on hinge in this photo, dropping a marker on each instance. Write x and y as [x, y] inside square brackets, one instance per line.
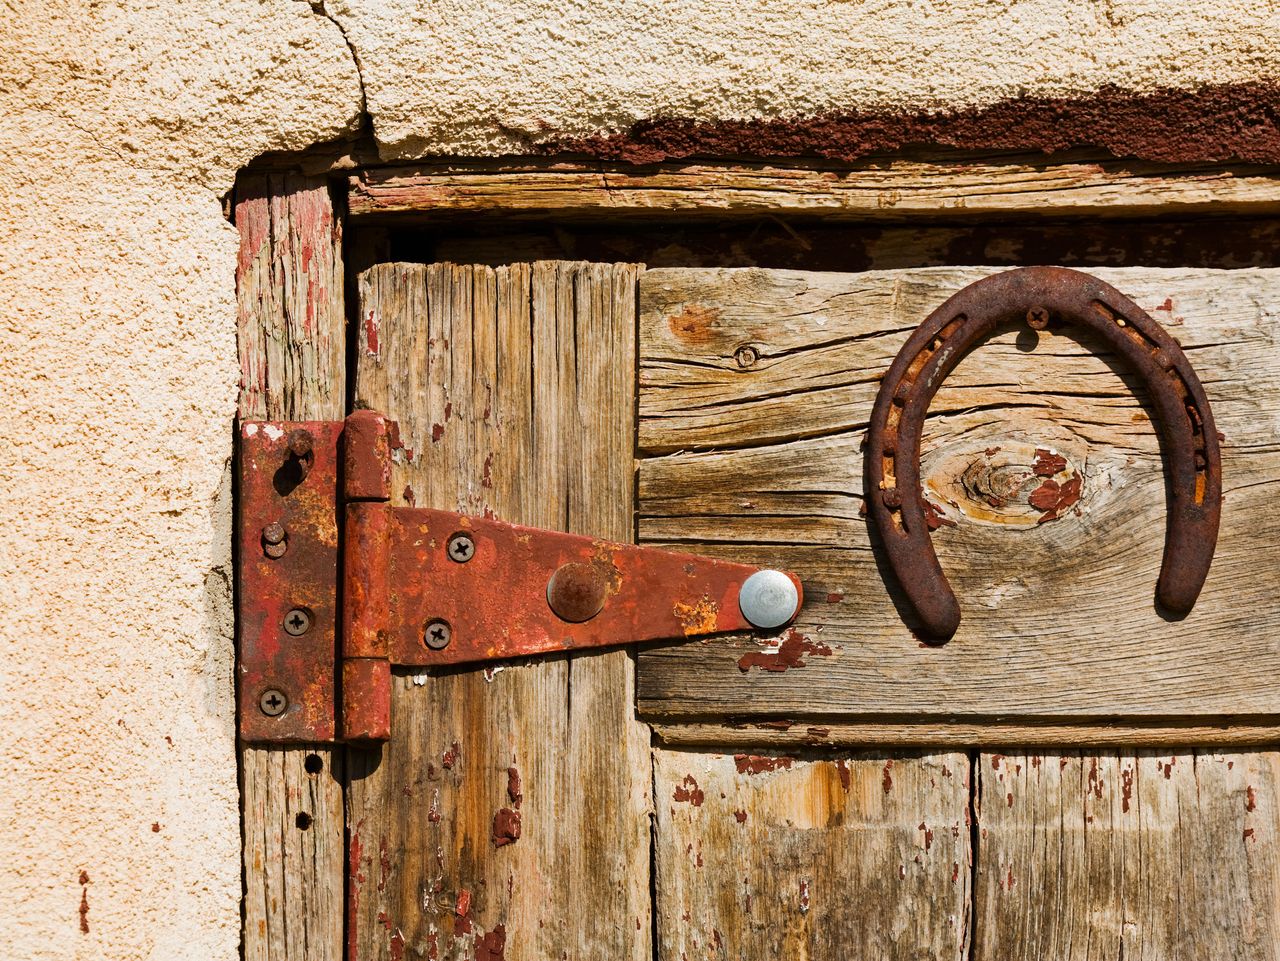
[461, 548]
[768, 599]
[297, 622]
[272, 703]
[437, 634]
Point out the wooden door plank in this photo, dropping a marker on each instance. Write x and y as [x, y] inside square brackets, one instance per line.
[289, 284]
[1127, 855]
[794, 857]
[763, 462]
[878, 191]
[514, 390]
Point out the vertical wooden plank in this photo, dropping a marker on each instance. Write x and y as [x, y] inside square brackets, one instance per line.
[784, 857]
[1129, 855]
[514, 389]
[291, 333]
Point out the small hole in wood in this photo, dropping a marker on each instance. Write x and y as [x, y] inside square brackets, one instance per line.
[313, 764]
[303, 820]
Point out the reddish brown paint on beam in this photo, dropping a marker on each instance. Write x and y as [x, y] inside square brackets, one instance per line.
[1223, 122]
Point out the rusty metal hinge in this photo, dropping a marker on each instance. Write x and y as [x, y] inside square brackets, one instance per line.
[427, 588]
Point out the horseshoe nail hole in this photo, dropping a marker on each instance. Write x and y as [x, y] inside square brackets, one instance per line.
[303, 820]
[1027, 340]
[313, 764]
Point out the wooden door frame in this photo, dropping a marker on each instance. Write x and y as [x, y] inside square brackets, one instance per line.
[292, 321]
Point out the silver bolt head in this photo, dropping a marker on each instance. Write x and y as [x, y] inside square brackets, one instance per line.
[272, 702]
[768, 599]
[437, 635]
[297, 622]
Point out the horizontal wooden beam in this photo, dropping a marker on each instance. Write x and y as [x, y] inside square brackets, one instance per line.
[767, 735]
[888, 191]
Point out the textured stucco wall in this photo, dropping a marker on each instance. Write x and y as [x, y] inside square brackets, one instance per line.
[121, 125]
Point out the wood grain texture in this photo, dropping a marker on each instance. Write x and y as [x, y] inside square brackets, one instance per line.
[514, 390]
[782, 857]
[1144, 855]
[291, 323]
[882, 191]
[763, 463]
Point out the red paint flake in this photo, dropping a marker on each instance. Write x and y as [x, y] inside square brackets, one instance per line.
[461, 910]
[1095, 782]
[433, 946]
[776, 725]
[955, 871]
[1009, 881]
[1062, 763]
[437, 431]
[433, 813]
[492, 946]
[384, 920]
[946, 771]
[450, 757]
[1126, 789]
[804, 895]
[991, 451]
[794, 646]
[371, 334]
[928, 835]
[759, 764]
[506, 827]
[902, 872]
[834, 598]
[84, 902]
[397, 947]
[486, 477]
[1250, 799]
[155, 827]
[1047, 463]
[995, 761]
[843, 769]
[818, 733]
[1168, 768]
[1035, 760]
[887, 781]
[688, 791]
[1167, 306]
[408, 496]
[448, 411]
[1009, 799]
[513, 787]
[1248, 835]
[716, 939]
[740, 816]
[1053, 498]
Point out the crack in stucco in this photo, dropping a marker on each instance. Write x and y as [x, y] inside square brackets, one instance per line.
[318, 8]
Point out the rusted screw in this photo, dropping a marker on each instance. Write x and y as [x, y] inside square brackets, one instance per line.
[461, 548]
[891, 498]
[437, 635]
[1038, 318]
[297, 622]
[272, 702]
[746, 356]
[273, 540]
[300, 443]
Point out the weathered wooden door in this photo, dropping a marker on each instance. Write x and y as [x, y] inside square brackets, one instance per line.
[841, 790]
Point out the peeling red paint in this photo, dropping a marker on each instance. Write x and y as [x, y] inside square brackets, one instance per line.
[788, 655]
[928, 835]
[155, 827]
[1047, 463]
[462, 911]
[437, 431]
[1126, 789]
[817, 733]
[514, 794]
[887, 781]
[834, 598]
[84, 902]
[408, 495]
[740, 816]
[1053, 498]
[688, 791]
[450, 757]
[486, 477]
[1215, 122]
[1009, 799]
[492, 945]
[1248, 835]
[371, 334]
[842, 768]
[1095, 781]
[506, 827]
[995, 761]
[804, 895]
[759, 764]
[397, 947]
[776, 725]
[1168, 768]
[934, 518]
[1250, 799]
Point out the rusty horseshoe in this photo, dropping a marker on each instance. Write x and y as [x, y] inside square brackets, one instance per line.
[1040, 296]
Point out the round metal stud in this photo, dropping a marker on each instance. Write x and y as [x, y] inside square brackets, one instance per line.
[768, 599]
[576, 591]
